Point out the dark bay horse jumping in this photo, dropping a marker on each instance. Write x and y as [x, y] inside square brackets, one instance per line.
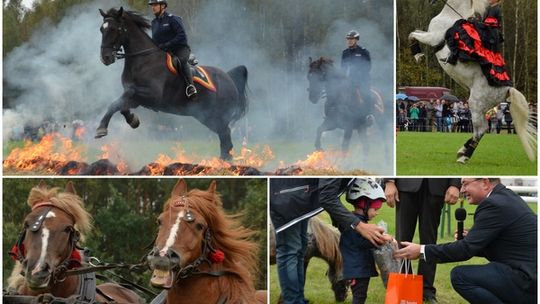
[148, 83]
[344, 108]
[48, 247]
[201, 255]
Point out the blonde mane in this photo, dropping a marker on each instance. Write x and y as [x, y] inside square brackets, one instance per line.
[67, 202]
[231, 238]
[480, 6]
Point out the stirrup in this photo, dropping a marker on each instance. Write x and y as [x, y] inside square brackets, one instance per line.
[191, 91]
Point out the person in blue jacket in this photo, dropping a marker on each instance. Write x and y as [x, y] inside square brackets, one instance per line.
[367, 197]
[356, 64]
[169, 35]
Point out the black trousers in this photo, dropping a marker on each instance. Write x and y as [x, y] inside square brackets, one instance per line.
[424, 208]
[183, 55]
[359, 290]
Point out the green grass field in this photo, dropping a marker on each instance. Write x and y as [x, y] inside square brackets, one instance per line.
[318, 290]
[426, 153]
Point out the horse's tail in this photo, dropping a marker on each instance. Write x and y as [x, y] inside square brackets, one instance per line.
[523, 122]
[239, 75]
[327, 239]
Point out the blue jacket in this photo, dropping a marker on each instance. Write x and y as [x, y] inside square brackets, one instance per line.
[358, 261]
[356, 64]
[168, 32]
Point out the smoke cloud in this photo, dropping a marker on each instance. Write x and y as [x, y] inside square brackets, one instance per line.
[57, 76]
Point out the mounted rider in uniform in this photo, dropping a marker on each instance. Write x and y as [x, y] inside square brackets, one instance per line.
[356, 64]
[169, 35]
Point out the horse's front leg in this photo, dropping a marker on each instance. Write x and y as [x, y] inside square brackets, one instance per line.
[346, 139]
[322, 128]
[121, 104]
[480, 127]
[429, 38]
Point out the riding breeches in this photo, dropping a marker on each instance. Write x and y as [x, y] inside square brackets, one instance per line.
[183, 55]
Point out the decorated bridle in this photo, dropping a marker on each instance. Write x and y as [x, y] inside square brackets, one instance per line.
[209, 255]
[119, 42]
[74, 260]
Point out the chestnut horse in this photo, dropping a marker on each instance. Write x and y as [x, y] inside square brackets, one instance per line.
[202, 255]
[48, 247]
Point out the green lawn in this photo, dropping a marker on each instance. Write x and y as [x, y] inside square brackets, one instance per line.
[426, 153]
[317, 288]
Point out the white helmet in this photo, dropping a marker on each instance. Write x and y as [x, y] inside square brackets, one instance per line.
[364, 187]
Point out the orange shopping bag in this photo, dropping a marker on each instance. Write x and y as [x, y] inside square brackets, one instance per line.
[404, 288]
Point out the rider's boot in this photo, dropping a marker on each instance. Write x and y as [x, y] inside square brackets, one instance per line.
[191, 90]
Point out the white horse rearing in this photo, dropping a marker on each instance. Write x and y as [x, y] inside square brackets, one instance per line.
[469, 74]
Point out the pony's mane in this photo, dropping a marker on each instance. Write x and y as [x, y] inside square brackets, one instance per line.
[68, 202]
[231, 238]
[132, 16]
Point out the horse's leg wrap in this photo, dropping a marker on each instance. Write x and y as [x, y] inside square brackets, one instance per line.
[466, 152]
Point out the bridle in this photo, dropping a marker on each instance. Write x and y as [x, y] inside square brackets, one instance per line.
[58, 274]
[119, 42]
[192, 268]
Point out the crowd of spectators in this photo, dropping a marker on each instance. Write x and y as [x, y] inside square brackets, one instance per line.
[438, 115]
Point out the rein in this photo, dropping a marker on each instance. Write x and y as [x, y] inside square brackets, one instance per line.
[117, 44]
[446, 3]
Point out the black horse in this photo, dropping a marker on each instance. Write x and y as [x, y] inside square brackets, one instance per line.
[344, 108]
[148, 83]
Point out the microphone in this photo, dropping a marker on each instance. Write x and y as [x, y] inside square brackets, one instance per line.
[460, 215]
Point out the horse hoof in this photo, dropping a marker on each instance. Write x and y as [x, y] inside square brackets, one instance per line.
[134, 123]
[462, 159]
[461, 152]
[100, 132]
[226, 157]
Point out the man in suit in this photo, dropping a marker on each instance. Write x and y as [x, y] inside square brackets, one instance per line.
[421, 200]
[504, 232]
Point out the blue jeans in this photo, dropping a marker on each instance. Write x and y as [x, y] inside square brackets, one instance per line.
[491, 284]
[291, 245]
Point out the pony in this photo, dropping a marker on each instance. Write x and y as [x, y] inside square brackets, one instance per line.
[344, 108]
[323, 243]
[148, 83]
[469, 75]
[202, 255]
[48, 247]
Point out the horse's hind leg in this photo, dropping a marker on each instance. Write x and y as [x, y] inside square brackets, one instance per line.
[479, 129]
[225, 143]
[346, 140]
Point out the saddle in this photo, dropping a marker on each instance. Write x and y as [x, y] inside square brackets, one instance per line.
[473, 41]
[200, 75]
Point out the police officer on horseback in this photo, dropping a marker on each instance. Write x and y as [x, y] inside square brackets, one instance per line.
[356, 64]
[169, 34]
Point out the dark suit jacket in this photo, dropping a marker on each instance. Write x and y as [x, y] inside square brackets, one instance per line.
[293, 199]
[504, 231]
[436, 186]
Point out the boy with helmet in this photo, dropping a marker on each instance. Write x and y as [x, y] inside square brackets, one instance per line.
[169, 35]
[358, 263]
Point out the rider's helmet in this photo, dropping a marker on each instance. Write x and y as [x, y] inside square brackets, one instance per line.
[365, 193]
[150, 2]
[353, 35]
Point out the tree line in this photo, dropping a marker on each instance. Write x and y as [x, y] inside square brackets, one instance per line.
[124, 215]
[519, 48]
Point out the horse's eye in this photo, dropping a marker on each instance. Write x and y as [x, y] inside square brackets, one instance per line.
[199, 226]
[68, 229]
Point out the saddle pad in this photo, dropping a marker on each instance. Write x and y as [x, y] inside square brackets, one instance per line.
[200, 76]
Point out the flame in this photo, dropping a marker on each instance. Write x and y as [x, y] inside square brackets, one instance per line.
[112, 152]
[51, 153]
[79, 132]
[321, 160]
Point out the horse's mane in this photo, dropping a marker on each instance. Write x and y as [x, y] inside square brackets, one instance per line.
[320, 63]
[68, 202]
[480, 6]
[132, 16]
[231, 238]
[327, 238]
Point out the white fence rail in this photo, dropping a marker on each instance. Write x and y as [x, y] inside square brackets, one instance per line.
[527, 190]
